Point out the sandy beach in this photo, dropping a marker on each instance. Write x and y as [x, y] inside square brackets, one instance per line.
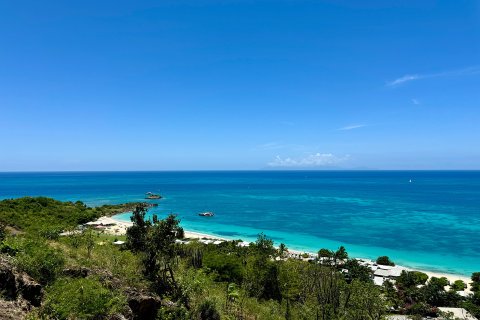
[119, 227]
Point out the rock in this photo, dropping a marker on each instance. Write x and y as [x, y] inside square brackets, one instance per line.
[144, 306]
[169, 304]
[80, 272]
[30, 290]
[117, 316]
[8, 283]
[15, 284]
[14, 310]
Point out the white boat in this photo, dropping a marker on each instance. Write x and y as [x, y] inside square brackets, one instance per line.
[206, 214]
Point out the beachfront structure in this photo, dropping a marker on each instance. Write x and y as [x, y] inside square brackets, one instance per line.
[380, 272]
[457, 313]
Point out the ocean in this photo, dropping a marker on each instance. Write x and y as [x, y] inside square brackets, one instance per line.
[421, 219]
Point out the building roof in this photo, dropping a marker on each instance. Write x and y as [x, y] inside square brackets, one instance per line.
[458, 313]
[378, 281]
[382, 273]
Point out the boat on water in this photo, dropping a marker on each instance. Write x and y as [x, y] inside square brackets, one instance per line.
[206, 214]
[151, 195]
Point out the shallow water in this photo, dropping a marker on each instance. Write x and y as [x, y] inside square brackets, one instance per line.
[432, 222]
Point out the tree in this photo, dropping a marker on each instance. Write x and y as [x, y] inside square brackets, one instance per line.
[325, 253]
[434, 292]
[475, 285]
[409, 279]
[89, 241]
[357, 271]
[363, 300]
[160, 253]
[263, 246]
[385, 261]
[341, 254]
[282, 249]
[459, 285]
[261, 276]
[290, 274]
[180, 233]
[138, 232]
[325, 256]
[326, 289]
[156, 242]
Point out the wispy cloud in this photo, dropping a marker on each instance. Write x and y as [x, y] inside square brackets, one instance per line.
[310, 161]
[352, 127]
[452, 73]
[403, 79]
[415, 102]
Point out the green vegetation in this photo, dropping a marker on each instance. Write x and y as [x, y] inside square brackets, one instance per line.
[3, 232]
[385, 261]
[40, 260]
[49, 217]
[85, 276]
[459, 285]
[81, 299]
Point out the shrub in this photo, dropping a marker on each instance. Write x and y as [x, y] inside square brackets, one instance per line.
[208, 311]
[3, 232]
[228, 268]
[476, 282]
[39, 260]
[385, 261]
[325, 253]
[82, 298]
[409, 279]
[180, 233]
[50, 233]
[459, 285]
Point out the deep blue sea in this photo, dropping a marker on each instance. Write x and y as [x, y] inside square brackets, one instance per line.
[432, 222]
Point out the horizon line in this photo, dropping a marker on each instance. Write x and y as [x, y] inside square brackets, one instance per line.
[228, 170]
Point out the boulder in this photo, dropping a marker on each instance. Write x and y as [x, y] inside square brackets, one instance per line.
[144, 306]
[31, 290]
[8, 283]
[80, 272]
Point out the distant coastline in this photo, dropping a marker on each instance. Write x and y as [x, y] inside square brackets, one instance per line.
[430, 223]
[195, 234]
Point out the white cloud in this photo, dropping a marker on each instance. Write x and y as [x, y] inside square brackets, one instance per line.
[351, 127]
[415, 102]
[312, 160]
[403, 79]
[452, 73]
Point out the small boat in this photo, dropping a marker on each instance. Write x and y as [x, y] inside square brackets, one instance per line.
[151, 195]
[206, 214]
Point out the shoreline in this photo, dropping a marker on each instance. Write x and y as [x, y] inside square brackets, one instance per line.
[119, 227]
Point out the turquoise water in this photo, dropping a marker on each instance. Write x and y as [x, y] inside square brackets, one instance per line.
[432, 222]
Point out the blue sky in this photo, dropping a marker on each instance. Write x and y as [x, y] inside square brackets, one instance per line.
[180, 85]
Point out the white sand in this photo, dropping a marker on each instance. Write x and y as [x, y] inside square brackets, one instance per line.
[118, 227]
